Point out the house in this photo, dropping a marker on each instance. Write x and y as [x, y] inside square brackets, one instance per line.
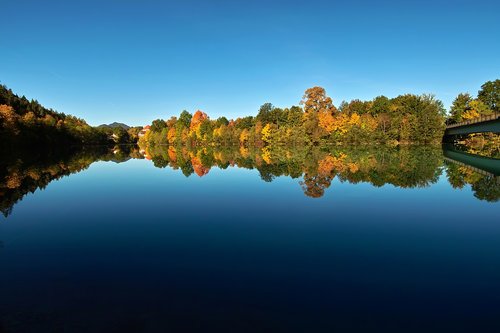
[144, 130]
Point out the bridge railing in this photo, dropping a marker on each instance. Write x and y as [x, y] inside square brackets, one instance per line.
[481, 119]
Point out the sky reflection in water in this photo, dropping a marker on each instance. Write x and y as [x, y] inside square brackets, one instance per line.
[132, 247]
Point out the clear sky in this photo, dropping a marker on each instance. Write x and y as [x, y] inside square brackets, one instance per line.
[135, 61]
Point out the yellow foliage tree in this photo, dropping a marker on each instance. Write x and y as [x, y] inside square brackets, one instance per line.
[342, 123]
[368, 122]
[9, 118]
[244, 136]
[266, 133]
[171, 135]
[355, 119]
[266, 155]
[470, 114]
[327, 121]
[330, 163]
[244, 152]
[30, 119]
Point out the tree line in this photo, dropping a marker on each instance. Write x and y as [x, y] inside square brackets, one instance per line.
[405, 119]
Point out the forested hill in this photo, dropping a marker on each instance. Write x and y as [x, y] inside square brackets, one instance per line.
[115, 125]
[26, 122]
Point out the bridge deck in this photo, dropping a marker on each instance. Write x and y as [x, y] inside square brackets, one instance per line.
[481, 119]
[482, 124]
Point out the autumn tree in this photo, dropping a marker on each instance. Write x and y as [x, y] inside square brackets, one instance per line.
[8, 119]
[267, 133]
[464, 107]
[317, 105]
[244, 136]
[198, 118]
[171, 135]
[476, 109]
[315, 101]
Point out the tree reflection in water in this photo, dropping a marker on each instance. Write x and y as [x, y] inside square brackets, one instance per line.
[406, 167]
[25, 172]
[484, 186]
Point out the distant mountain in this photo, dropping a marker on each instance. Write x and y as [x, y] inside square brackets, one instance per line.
[115, 125]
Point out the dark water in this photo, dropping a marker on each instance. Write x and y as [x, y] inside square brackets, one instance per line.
[303, 240]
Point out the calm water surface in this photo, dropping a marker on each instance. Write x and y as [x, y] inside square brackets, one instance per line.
[380, 240]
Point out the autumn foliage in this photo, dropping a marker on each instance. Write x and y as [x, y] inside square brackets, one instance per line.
[405, 119]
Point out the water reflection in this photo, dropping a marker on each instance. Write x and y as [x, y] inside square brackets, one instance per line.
[406, 167]
[30, 171]
[481, 172]
[314, 168]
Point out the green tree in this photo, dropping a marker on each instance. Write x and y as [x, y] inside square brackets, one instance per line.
[120, 135]
[460, 106]
[157, 125]
[185, 119]
[264, 113]
[294, 116]
[206, 130]
[429, 120]
[356, 106]
[380, 104]
[221, 121]
[490, 95]
[245, 122]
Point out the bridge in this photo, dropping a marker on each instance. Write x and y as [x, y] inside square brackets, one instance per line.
[482, 124]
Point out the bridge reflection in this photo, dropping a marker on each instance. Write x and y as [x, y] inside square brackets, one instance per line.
[480, 172]
[484, 165]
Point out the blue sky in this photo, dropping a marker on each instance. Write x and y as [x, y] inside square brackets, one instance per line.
[135, 61]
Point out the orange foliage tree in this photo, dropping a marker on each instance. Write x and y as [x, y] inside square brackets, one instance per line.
[198, 118]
